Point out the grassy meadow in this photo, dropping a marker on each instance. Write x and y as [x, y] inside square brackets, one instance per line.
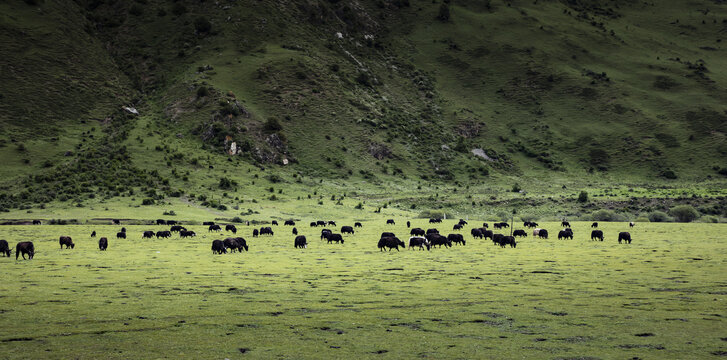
[660, 297]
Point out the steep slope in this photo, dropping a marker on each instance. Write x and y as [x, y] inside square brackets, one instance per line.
[363, 92]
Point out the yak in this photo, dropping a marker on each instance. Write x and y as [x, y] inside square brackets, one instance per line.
[4, 248]
[438, 240]
[390, 222]
[231, 227]
[295, 231]
[358, 224]
[214, 228]
[121, 235]
[218, 247]
[67, 241]
[597, 234]
[103, 243]
[347, 230]
[147, 235]
[419, 242]
[456, 238]
[24, 248]
[417, 231]
[334, 238]
[289, 223]
[625, 236]
[301, 242]
[391, 242]
[519, 233]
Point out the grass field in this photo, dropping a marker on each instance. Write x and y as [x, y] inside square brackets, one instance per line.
[663, 296]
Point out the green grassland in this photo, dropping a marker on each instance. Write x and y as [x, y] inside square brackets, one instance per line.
[661, 296]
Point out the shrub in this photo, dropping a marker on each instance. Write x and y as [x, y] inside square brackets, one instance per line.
[147, 201]
[202, 25]
[516, 188]
[530, 218]
[359, 206]
[659, 216]
[583, 197]
[226, 183]
[136, 10]
[684, 213]
[669, 174]
[202, 91]
[443, 12]
[434, 214]
[272, 124]
[607, 215]
[178, 9]
[709, 219]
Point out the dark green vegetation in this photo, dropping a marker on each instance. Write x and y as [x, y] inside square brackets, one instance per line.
[383, 101]
[660, 297]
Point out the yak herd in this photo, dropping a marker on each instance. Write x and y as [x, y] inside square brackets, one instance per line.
[418, 237]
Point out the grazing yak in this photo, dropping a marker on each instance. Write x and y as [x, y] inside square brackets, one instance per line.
[487, 233]
[543, 234]
[390, 242]
[332, 223]
[161, 222]
[103, 243]
[123, 229]
[67, 241]
[218, 247]
[186, 234]
[432, 231]
[295, 231]
[462, 222]
[266, 231]
[36, 222]
[476, 233]
[121, 235]
[565, 234]
[417, 231]
[320, 223]
[408, 225]
[457, 227]
[420, 242]
[456, 238]
[301, 242]
[597, 234]
[208, 223]
[274, 222]
[485, 226]
[519, 233]
[4, 248]
[337, 238]
[358, 224]
[325, 233]
[214, 228]
[178, 228]
[164, 234]
[289, 223]
[172, 222]
[438, 240]
[231, 228]
[235, 244]
[625, 236]
[390, 222]
[313, 224]
[93, 233]
[24, 248]
[564, 223]
[435, 221]
[631, 224]
[594, 225]
[254, 233]
[115, 222]
[504, 240]
[347, 230]
[147, 235]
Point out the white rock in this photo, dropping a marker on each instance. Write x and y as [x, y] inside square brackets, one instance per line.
[131, 110]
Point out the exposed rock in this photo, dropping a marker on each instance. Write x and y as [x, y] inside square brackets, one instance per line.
[131, 110]
[481, 153]
[379, 151]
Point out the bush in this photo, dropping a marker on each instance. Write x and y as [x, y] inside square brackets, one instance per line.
[433, 214]
[516, 188]
[226, 183]
[530, 218]
[583, 197]
[684, 213]
[202, 91]
[709, 219]
[659, 216]
[669, 174]
[272, 124]
[607, 215]
[236, 219]
[202, 25]
[359, 206]
[443, 12]
[147, 202]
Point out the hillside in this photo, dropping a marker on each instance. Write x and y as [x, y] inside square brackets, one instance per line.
[374, 99]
